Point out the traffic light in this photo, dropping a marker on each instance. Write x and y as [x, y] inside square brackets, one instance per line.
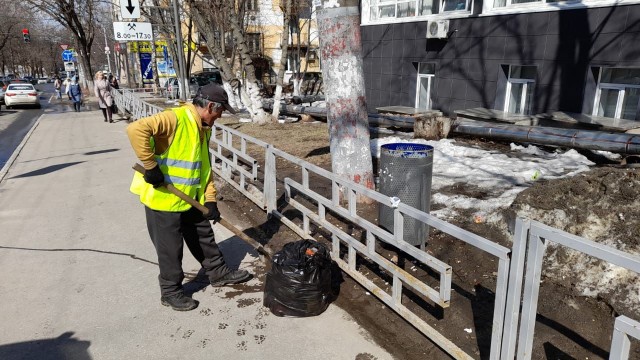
[25, 35]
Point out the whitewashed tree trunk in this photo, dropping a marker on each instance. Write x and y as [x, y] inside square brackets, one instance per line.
[233, 97]
[254, 101]
[341, 52]
[296, 86]
[284, 45]
[205, 25]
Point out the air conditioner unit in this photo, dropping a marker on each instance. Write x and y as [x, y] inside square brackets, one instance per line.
[438, 29]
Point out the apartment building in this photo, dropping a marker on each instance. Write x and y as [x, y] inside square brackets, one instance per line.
[264, 24]
[517, 56]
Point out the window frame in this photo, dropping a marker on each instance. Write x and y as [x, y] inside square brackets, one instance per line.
[252, 5]
[523, 96]
[430, 78]
[489, 8]
[377, 4]
[619, 101]
[249, 40]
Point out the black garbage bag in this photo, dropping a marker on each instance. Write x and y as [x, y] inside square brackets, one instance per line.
[299, 282]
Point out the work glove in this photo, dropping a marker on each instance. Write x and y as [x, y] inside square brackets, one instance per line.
[213, 214]
[154, 176]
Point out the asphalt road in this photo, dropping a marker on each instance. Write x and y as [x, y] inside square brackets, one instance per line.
[16, 123]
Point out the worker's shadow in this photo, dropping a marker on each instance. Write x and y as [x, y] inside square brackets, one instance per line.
[234, 250]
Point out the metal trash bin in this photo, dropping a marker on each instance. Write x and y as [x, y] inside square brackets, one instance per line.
[405, 172]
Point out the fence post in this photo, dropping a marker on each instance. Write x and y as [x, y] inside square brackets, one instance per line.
[514, 289]
[270, 192]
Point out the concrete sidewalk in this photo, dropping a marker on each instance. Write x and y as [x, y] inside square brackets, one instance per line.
[80, 273]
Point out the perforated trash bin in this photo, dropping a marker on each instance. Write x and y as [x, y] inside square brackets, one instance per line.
[405, 172]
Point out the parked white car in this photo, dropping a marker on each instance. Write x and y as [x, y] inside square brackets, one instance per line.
[21, 94]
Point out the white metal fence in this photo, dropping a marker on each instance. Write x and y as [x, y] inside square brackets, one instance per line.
[235, 156]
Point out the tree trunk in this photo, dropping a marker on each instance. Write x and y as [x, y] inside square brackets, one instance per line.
[284, 45]
[341, 51]
[205, 26]
[254, 100]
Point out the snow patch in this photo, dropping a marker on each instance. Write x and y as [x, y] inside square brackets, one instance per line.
[501, 175]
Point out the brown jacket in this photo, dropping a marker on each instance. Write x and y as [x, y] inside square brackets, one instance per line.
[162, 128]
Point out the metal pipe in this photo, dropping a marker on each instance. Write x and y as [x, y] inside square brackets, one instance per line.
[572, 138]
[319, 112]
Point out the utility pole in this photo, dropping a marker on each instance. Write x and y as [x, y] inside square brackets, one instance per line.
[184, 83]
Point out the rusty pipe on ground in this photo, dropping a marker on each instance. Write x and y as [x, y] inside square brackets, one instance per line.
[571, 138]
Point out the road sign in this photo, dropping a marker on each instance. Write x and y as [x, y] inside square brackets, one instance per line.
[69, 66]
[129, 9]
[64, 46]
[67, 55]
[132, 31]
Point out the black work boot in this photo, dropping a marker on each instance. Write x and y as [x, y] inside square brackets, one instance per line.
[232, 277]
[179, 302]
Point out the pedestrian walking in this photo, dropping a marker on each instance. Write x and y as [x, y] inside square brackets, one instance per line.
[113, 82]
[57, 84]
[75, 93]
[102, 89]
[174, 148]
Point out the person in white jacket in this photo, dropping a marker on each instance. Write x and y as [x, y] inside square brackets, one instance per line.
[66, 84]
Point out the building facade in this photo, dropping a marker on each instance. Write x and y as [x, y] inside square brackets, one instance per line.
[264, 26]
[518, 56]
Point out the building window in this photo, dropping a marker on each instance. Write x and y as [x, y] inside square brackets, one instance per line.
[454, 5]
[384, 9]
[519, 89]
[618, 93]
[251, 5]
[426, 73]
[253, 43]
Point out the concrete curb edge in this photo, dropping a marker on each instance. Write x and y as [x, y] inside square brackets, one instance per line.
[16, 152]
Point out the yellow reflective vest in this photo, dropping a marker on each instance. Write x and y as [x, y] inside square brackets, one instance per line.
[184, 165]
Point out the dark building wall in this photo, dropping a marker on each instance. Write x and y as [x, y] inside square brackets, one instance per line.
[561, 44]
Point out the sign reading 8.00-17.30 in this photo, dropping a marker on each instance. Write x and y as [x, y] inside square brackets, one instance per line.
[132, 31]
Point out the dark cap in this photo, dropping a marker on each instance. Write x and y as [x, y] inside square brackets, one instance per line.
[214, 92]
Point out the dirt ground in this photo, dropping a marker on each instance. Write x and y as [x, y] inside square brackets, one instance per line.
[569, 324]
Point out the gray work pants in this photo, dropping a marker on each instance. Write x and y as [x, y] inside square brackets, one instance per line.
[167, 231]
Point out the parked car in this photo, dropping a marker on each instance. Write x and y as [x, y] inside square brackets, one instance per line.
[42, 80]
[21, 94]
[30, 80]
[206, 77]
[173, 89]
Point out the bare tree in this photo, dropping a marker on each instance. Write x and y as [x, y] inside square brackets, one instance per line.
[80, 18]
[223, 17]
[302, 20]
[210, 30]
[286, 7]
[10, 21]
[341, 53]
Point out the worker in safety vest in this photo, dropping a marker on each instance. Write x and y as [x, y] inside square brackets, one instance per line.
[174, 149]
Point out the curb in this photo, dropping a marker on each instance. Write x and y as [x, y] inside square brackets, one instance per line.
[16, 152]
